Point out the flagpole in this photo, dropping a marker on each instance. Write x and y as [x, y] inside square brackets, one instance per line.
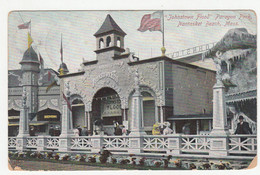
[163, 48]
[163, 29]
[31, 27]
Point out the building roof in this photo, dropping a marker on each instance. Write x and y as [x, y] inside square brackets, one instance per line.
[15, 77]
[30, 55]
[109, 25]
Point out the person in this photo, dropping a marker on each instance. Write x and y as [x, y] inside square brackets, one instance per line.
[156, 129]
[51, 131]
[32, 131]
[167, 130]
[76, 131]
[118, 130]
[80, 130]
[186, 129]
[124, 131]
[243, 127]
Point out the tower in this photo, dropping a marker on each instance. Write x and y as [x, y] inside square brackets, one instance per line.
[109, 40]
[63, 69]
[30, 75]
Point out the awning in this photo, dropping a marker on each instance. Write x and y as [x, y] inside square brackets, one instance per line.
[191, 117]
[13, 117]
[35, 123]
[13, 124]
[38, 123]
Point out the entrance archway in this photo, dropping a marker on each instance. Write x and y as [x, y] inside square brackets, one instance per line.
[106, 105]
[78, 113]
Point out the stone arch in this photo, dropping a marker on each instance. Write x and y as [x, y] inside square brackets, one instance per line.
[145, 88]
[76, 97]
[150, 105]
[106, 82]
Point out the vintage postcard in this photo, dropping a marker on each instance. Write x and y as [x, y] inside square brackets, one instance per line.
[132, 90]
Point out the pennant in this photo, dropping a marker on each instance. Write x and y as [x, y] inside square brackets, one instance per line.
[68, 103]
[30, 41]
[50, 86]
[151, 22]
[25, 25]
[49, 75]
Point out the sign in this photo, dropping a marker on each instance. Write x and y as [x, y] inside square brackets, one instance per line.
[111, 108]
[192, 51]
[50, 116]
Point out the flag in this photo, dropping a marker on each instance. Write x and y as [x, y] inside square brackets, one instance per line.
[30, 41]
[152, 22]
[61, 50]
[25, 25]
[68, 103]
[55, 80]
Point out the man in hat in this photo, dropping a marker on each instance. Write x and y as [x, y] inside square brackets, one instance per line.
[243, 127]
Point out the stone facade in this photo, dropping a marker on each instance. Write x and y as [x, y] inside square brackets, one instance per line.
[169, 87]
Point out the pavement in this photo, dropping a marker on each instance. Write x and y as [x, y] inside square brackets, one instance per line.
[50, 166]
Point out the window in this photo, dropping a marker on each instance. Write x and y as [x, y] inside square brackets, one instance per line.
[101, 43]
[108, 41]
[118, 42]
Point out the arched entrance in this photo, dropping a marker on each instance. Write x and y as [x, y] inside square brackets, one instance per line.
[48, 122]
[106, 105]
[13, 122]
[78, 113]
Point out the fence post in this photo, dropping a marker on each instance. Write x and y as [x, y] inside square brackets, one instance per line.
[174, 145]
[96, 143]
[135, 144]
[41, 143]
[21, 143]
[219, 146]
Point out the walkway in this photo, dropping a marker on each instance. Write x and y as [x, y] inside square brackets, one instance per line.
[50, 166]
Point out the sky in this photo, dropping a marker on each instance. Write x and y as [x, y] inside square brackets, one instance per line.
[182, 29]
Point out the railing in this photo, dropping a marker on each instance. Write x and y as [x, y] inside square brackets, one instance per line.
[235, 145]
[31, 142]
[242, 144]
[155, 143]
[81, 143]
[116, 142]
[12, 142]
[195, 143]
[53, 143]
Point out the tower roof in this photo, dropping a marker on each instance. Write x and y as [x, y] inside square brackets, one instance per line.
[64, 67]
[109, 25]
[30, 55]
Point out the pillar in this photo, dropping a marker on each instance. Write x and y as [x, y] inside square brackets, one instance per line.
[23, 124]
[67, 127]
[198, 127]
[137, 127]
[219, 143]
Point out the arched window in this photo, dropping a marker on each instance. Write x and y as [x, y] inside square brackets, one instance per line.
[108, 41]
[101, 43]
[118, 42]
